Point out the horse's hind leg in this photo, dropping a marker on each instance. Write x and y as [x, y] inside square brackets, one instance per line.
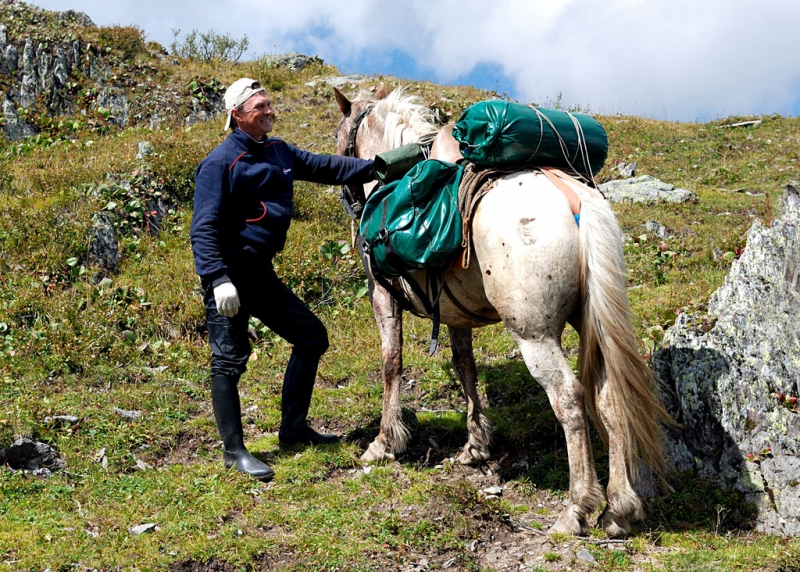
[623, 502]
[393, 436]
[549, 367]
[478, 426]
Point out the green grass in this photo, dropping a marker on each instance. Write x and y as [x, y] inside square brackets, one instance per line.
[72, 344]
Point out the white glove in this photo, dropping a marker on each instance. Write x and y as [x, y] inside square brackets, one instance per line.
[227, 299]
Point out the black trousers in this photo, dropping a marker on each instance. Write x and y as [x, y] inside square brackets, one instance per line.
[264, 296]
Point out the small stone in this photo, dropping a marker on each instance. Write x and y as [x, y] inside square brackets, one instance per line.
[143, 528]
[493, 490]
[62, 420]
[585, 555]
[132, 415]
[145, 149]
[141, 465]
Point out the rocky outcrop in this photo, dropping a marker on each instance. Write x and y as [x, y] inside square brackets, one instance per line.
[645, 189]
[732, 377]
[292, 60]
[64, 77]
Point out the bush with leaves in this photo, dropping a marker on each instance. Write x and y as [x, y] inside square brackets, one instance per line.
[208, 46]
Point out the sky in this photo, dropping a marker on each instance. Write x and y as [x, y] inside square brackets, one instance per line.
[676, 60]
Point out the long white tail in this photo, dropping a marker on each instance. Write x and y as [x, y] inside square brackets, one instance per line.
[609, 357]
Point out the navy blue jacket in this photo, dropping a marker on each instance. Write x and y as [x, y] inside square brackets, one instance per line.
[244, 193]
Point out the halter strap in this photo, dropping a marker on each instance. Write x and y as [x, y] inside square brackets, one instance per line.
[353, 196]
[350, 149]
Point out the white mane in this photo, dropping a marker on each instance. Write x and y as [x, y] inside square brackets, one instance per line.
[405, 119]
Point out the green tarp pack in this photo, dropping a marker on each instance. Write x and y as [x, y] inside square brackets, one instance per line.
[394, 163]
[413, 223]
[503, 133]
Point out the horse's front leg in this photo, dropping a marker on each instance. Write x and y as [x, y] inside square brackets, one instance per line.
[479, 428]
[393, 437]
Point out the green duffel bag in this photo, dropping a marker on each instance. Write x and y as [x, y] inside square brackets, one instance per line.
[413, 223]
[395, 163]
[502, 133]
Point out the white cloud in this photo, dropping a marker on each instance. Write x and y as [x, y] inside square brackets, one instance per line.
[675, 59]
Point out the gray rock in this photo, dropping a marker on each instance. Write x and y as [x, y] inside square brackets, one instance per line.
[30, 84]
[145, 149]
[15, 129]
[143, 528]
[586, 556]
[657, 229]
[104, 246]
[292, 60]
[341, 80]
[80, 18]
[61, 70]
[115, 101]
[645, 189]
[720, 373]
[76, 53]
[125, 414]
[62, 420]
[627, 170]
[11, 55]
[28, 455]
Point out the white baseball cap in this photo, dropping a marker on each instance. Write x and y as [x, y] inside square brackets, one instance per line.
[237, 93]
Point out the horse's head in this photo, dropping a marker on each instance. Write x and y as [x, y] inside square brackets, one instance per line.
[373, 124]
[351, 139]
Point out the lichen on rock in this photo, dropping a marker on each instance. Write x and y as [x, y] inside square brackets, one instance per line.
[722, 375]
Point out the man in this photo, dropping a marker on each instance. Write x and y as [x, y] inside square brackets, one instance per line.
[242, 209]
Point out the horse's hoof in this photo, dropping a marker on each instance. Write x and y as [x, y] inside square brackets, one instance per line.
[570, 521]
[615, 526]
[376, 453]
[472, 455]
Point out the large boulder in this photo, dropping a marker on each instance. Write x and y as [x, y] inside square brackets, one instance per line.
[730, 376]
[645, 189]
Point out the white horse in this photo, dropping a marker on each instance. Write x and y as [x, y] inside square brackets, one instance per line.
[534, 269]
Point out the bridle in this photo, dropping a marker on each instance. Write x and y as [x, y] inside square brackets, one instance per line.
[353, 196]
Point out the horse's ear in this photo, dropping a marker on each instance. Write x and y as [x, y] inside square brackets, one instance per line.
[382, 92]
[344, 103]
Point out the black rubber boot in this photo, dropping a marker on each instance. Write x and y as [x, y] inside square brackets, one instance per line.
[298, 383]
[228, 413]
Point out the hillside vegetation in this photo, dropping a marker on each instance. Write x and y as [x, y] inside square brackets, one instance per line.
[78, 339]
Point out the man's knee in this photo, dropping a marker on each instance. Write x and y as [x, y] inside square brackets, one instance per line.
[232, 369]
[230, 346]
[315, 343]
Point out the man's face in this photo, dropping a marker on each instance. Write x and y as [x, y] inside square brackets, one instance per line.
[255, 119]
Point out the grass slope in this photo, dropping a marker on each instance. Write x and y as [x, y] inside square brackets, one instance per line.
[71, 343]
